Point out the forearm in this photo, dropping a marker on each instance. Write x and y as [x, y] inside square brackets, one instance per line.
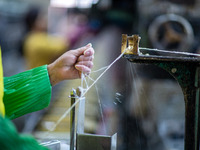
[27, 92]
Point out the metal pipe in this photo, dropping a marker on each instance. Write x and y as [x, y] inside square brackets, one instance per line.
[72, 120]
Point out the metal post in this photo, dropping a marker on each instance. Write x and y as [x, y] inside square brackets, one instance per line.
[72, 120]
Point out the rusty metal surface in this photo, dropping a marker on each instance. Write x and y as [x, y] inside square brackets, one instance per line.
[133, 44]
[155, 58]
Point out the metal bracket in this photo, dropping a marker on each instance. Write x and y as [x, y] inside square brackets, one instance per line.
[96, 142]
[133, 44]
[86, 141]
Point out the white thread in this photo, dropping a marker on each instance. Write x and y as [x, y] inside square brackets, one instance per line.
[172, 52]
[90, 78]
[101, 112]
[82, 76]
[104, 72]
[85, 82]
[103, 68]
[65, 114]
[82, 95]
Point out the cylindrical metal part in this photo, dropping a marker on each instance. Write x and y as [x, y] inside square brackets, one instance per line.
[72, 120]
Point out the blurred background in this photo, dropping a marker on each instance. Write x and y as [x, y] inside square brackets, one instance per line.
[142, 103]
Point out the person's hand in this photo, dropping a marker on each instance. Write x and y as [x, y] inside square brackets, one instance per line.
[71, 64]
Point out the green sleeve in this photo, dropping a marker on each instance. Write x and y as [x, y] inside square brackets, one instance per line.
[27, 92]
[11, 140]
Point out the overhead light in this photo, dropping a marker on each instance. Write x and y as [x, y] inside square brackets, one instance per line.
[63, 3]
[73, 3]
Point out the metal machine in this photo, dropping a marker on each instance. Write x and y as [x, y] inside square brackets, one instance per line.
[186, 70]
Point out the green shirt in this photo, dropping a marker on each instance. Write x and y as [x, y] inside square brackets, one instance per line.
[24, 93]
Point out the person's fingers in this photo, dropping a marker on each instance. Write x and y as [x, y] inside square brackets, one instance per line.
[81, 50]
[89, 52]
[88, 64]
[83, 68]
[85, 58]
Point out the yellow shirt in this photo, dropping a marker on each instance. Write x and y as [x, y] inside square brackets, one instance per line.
[2, 109]
[41, 48]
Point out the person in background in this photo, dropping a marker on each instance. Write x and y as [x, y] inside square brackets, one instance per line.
[38, 46]
[30, 91]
